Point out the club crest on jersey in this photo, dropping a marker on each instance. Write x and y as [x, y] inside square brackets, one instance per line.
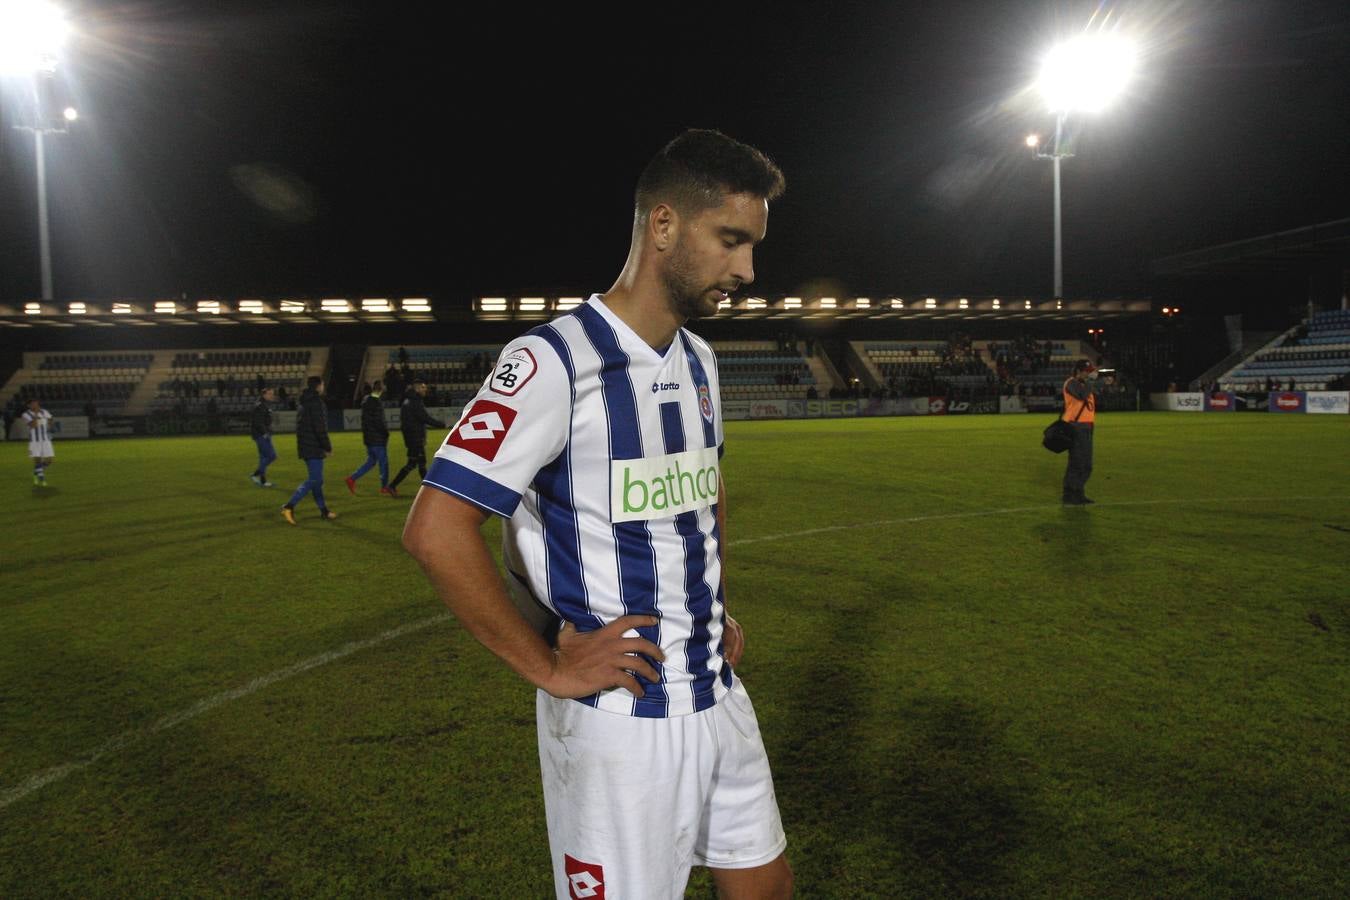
[705, 403]
[482, 429]
[585, 881]
[512, 372]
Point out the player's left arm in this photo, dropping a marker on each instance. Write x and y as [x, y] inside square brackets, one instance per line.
[733, 636]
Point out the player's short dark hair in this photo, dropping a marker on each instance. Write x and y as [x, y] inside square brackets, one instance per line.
[315, 380]
[376, 384]
[694, 170]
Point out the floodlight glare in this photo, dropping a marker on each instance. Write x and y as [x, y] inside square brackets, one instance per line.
[31, 34]
[1087, 73]
[1033, 141]
[70, 113]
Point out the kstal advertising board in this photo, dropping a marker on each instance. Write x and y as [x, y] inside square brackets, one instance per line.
[1178, 402]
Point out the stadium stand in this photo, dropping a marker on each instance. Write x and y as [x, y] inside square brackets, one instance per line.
[228, 381]
[453, 372]
[1312, 357]
[76, 383]
[764, 369]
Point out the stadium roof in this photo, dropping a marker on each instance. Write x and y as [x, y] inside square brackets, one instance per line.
[340, 311]
[1297, 250]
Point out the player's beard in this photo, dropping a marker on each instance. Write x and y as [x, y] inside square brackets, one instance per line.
[689, 298]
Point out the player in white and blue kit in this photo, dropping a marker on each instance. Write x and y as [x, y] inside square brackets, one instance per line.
[598, 438]
[39, 423]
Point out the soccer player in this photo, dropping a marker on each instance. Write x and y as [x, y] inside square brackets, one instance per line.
[597, 437]
[40, 449]
[413, 422]
[313, 446]
[260, 426]
[375, 435]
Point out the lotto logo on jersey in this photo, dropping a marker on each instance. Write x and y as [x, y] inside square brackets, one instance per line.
[512, 372]
[482, 429]
[585, 881]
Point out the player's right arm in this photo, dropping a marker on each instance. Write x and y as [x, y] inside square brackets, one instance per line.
[443, 533]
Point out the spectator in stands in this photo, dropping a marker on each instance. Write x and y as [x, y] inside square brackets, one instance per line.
[260, 426]
[413, 423]
[375, 435]
[313, 446]
[1080, 407]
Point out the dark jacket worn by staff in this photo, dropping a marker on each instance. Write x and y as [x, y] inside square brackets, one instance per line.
[374, 430]
[415, 420]
[311, 426]
[260, 422]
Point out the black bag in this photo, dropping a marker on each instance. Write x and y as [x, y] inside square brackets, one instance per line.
[1059, 434]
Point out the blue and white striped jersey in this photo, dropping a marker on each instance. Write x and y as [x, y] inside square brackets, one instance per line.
[602, 455]
[39, 426]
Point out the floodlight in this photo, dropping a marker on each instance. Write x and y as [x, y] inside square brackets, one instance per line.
[531, 304]
[251, 306]
[566, 303]
[963, 303]
[77, 309]
[416, 304]
[31, 35]
[792, 303]
[1086, 73]
[376, 304]
[335, 305]
[293, 306]
[1033, 141]
[167, 307]
[32, 309]
[827, 302]
[930, 303]
[862, 303]
[121, 309]
[490, 304]
[70, 113]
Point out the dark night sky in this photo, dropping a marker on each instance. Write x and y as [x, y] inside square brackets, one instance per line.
[339, 149]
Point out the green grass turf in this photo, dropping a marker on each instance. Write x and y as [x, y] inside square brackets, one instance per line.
[964, 688]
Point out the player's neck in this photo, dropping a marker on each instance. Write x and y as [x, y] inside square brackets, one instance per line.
[642, 302]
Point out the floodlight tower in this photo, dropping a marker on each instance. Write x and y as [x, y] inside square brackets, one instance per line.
[32, 33]
[1084, 74]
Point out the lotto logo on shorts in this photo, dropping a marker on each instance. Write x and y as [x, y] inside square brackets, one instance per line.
[584, 880]
[482, 429]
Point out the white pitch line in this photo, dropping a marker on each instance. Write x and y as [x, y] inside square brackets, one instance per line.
[1012, 509]
[42, 779]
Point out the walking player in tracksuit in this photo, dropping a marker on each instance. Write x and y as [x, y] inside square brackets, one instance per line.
[312, 445]
[375, 435]
[260, 426]
[415, 420]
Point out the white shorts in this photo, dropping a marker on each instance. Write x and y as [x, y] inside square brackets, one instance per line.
[41, 450]
[632, 804]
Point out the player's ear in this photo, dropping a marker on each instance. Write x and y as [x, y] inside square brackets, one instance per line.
[663, 224]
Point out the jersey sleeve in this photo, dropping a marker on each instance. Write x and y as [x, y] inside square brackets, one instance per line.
[517, 423]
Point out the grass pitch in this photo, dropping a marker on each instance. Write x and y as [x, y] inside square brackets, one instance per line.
[965, 689]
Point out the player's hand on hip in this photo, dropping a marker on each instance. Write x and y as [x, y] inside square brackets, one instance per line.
[585, 663]
[733, 642]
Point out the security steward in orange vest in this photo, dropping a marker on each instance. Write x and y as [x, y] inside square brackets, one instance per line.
[1080, 407]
